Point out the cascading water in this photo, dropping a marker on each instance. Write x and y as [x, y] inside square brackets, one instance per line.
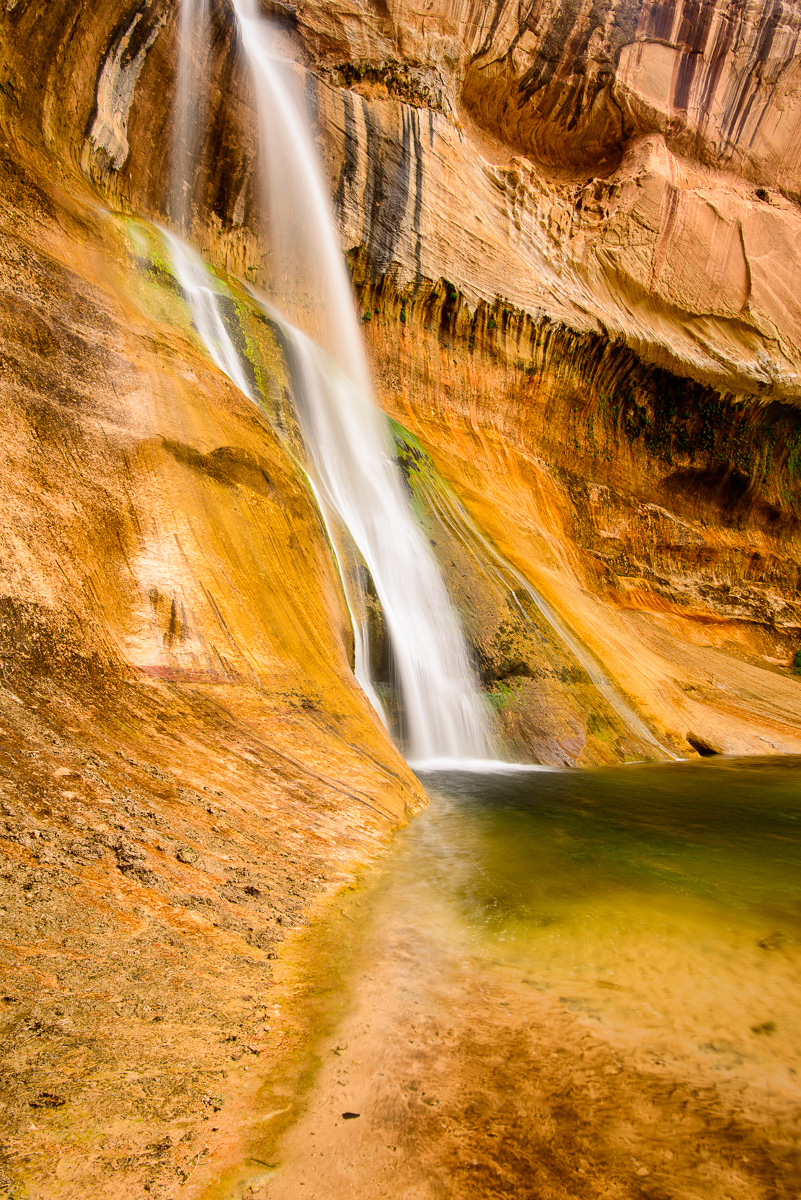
[354, 475]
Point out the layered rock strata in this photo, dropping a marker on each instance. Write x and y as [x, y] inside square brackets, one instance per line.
[574, 233]
[650, 255]
[660, 521]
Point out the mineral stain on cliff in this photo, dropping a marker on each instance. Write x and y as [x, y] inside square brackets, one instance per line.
[575, 233]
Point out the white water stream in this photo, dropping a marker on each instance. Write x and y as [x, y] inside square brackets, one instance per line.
[352, 467]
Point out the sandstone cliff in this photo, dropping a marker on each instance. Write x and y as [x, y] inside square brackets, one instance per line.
[575, 240]
[188, 764]
[574, 235]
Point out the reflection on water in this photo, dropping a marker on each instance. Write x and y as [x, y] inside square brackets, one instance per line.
[663, 901]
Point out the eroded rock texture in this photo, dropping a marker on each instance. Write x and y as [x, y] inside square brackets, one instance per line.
[574, 232]
[186, 763]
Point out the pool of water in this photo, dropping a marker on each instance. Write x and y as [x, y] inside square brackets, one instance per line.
[661, 901]
[568, 983]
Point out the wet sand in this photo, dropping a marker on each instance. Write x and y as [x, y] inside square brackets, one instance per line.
[624, 1051]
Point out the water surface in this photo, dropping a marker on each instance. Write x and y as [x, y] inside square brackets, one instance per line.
[572, 984]
[666, 897]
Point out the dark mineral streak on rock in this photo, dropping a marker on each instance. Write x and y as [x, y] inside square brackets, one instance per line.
[312, 100]
[119, 70]
[387, 192]
[415, 118]
[547, 77]
[350, 159]
[219, 140]
[125, 25]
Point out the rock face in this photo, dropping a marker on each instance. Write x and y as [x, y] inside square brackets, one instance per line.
[630, 166]
[631, 171]
[577, 233]
[568, 84]
[574, 233]
[187, 764]
[610, 486]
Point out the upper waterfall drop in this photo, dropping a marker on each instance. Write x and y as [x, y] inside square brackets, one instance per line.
[351, 462]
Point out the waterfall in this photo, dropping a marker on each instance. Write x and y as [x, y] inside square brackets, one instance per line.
[351, 463]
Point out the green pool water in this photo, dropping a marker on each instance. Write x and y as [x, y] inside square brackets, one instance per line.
[661, 901]
[566, 983]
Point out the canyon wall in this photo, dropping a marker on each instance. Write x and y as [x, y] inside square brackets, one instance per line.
[574, 233]
[574, 237]
[188, 766]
